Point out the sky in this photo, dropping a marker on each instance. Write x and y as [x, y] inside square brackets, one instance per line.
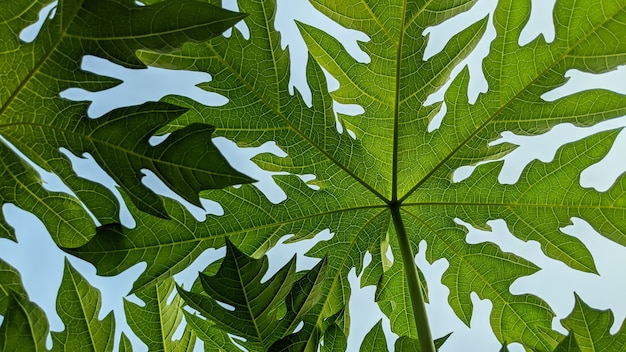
[41, 263]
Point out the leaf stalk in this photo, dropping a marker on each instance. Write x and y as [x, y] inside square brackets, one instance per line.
[415, 287]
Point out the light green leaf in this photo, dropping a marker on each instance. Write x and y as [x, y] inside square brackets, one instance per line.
[125, 344]
[78, 305]
[24, 327]
[263, 313]
[214, 338]
[36, 121]
[590, 328]
[157, 320]
[375, 340]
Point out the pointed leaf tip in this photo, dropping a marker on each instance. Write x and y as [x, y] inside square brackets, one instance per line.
[265, 314]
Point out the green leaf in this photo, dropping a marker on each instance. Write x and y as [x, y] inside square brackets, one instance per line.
[301, 341]
[10, 282]
[335, 340]
[568, 344]
[590, 329]
[214, 338]
[396, 162]
[157, 320]
[125, 344]
[260, 312]
[24, 327]
[407, 344]
[375, 339]
[63, 215]
[186, 161]
[78, 305]
[36, 121]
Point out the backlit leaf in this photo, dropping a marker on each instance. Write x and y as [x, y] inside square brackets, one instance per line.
[264, 313]
[78, 305]
[38, 122]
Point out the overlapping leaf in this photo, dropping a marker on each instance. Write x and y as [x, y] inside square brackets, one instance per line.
[264, 314]
[394, 160]
[24, 325]
[10, 281]
[156, 322]
[35, 120]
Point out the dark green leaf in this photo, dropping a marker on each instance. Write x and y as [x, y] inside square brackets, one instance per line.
[407, 344]
[107, 27]
[261, 313]
[24, 327]
[568, 344]
[335, 340]
[10, 281]
[37, 122]
[186, 161]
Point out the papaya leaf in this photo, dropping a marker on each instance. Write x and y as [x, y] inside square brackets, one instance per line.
[406, 344]
[125, 344]
[10, 281]
[157, 320]
[335, 340]
[78, 304]
[568, 344]
[214, 338]
[186, 161]
[24, 327]
[375, 339]
[264, 313]
[590, 329]
[383, 182]
[35, 122]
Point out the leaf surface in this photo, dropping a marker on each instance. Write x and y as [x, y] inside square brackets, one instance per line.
[396, 160]
[78, 305]
[10, 281]
[263, 312]
[24, 327]
[37, 122]
[375, 339]
[590, 329]
[156, 322]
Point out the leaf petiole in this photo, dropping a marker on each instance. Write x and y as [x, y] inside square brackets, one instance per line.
[415, 289]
